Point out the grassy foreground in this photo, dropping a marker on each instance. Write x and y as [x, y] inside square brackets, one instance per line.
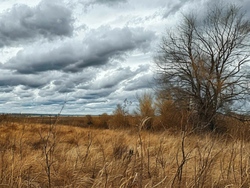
[39, 155]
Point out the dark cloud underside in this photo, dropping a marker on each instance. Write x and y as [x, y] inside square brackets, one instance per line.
[98, 48]
[23, 23]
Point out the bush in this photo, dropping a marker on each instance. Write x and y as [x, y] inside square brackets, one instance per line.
[119, 118]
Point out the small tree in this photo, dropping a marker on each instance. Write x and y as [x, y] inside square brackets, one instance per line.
[120, 114]
[200, 64]
[146, 108]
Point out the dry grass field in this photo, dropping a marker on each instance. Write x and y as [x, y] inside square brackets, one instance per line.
[36, 154]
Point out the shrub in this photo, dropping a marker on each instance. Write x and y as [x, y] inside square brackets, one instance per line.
[119, 118]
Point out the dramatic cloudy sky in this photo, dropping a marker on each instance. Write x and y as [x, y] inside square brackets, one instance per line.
[88, 54]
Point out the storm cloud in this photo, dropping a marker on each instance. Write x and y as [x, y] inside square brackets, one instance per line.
[33, 81]
[23, 23]
[98, 48]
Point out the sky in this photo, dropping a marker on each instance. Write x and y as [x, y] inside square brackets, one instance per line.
[85, 56]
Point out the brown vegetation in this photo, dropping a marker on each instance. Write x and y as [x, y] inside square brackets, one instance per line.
[54, 155]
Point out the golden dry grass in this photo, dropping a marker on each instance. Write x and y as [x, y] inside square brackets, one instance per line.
[39, 155]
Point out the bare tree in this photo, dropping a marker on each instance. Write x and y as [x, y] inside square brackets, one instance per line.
[200, 63]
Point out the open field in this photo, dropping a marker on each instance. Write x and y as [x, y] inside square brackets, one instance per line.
[36, 154]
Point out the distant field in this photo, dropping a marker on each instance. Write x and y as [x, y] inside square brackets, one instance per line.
[44, 152]
[49, 119]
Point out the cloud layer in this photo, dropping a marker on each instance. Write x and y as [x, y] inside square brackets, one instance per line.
[91, 54]
[99, 47]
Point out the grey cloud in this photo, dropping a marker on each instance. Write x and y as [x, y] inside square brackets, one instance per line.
[245, 5]
[105, 43]
[144, 81]
[20, 80]
[90, 3]
[23, 92]
[9, 79]
[183, 6]
[109, 85]
[6, 97]
[63, 83]
[53, 102]
[32, 61]
[23, 23]
[64, 86]
[173, 7]
[112, 78]
[90, 95]
[98, 48]
[96, 94]
[110, 2]
[200, 7]
[6, 89]
[119, 97]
